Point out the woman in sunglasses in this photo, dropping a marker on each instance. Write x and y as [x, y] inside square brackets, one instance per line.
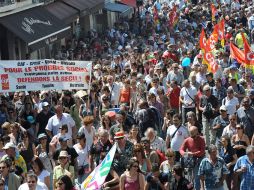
[64, 183]
[240, 141]
[132, 179]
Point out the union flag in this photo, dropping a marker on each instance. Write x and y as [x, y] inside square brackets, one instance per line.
[214, 11]
[248, 53]
[173, 17]
[237, 54]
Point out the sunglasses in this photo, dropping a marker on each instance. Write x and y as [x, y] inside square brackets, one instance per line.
[31, 181]
[62, 158]
[60, 183]
[135, 166]
[238, 128]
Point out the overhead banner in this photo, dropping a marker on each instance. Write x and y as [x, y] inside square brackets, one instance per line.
[95, 180]
[47, 74]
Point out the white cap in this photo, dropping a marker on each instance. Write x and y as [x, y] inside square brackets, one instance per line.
[9, 145]
[223, 107]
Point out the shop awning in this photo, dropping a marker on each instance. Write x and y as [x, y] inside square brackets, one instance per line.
[37, 27]
[132, 3]
[116, 7]
[85, 6]
[63, 11]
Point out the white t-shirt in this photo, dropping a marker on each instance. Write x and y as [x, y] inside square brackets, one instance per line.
[54, 123]
[42, 176]
[179, 137]
[229, 131]
[115, 93]
[39, 186]
[82, 155]
[192, 91]
[158, 144]
[230, 104]
[89, 136]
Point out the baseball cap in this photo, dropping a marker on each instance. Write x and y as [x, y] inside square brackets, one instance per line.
[44, 104]
[42, 135]
[223, 108]
[63, 138]
[9, 145]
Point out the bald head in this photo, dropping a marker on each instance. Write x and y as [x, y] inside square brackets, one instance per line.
[193, 131]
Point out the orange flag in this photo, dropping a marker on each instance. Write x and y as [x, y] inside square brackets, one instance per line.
[214, 11]
[210, 61]
[221, 32]
[173, 18]
[237, 54]
[213, 39]
[248, 53]
[202, 40]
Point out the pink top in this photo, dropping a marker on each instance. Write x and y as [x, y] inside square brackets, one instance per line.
[131, 185]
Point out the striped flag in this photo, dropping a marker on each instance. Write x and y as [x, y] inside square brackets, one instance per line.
[95, 180]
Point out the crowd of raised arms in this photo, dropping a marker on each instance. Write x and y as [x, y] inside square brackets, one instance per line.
[179, 109]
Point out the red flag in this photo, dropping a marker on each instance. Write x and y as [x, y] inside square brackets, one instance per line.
[237, 54]
[210, 61]
[248, 53]
[173, 18]
[155, 15]
[202, 40]
[214, 11]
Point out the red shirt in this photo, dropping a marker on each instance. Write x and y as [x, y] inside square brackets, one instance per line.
[174, 95]
[196, 146]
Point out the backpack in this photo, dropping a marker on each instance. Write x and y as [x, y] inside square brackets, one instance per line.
[158, 119]
[208, 111]
[149, 121]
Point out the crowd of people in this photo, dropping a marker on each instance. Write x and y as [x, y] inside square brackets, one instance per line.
[177, 126]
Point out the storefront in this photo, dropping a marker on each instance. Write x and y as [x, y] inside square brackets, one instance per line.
[29, 34]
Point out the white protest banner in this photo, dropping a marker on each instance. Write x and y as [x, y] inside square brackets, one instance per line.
[97, 177]
[47, 74]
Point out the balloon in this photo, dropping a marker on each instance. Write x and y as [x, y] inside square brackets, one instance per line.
[186, 62]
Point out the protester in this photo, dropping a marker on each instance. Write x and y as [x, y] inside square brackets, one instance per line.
[64, 167]
[193, 148]
[39, 170]
[244, 166]
[33, 183]
[212, 170]
[12, 181]
[64, 183]
[132, 179]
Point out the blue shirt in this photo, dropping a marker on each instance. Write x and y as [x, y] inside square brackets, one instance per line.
[212, 173]
[247, 179]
